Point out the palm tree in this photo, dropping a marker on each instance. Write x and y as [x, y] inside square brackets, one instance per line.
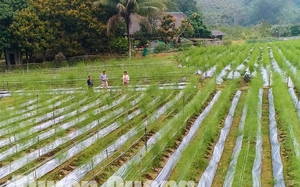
[133, 10]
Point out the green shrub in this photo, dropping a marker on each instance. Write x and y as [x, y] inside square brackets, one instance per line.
[227, 42]
[118, 45]
[185, 43]
[160, 47]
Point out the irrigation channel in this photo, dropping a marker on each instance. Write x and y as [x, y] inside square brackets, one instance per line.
[213, 129]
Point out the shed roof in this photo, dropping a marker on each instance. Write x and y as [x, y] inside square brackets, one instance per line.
[179, 16]
[217, 33]
[135, 26]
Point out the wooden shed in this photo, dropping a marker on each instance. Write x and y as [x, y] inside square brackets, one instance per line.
[217, 34]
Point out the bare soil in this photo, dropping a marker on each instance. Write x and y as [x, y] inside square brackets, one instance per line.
[169, 151]
[229, 144]
[266, 170]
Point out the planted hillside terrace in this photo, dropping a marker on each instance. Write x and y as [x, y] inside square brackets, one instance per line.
[184, 119]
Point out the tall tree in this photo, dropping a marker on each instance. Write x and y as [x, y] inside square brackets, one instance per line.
[167, 30]
[132, 10]
[71, 27]
[200, 30]
[29, 32]
[8, 8]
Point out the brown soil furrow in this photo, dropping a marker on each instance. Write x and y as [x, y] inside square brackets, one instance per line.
[229, 144]
[266, 170]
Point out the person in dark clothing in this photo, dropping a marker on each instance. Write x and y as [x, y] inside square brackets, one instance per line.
[90, 86]
[89, 81]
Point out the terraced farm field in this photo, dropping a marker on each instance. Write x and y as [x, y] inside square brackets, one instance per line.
[186, 119]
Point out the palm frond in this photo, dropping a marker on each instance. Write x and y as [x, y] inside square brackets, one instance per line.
[121, 9]
[111, 23]
[132, 6]
[152, 8]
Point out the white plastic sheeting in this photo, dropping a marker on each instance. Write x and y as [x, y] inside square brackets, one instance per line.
[99, 89]
[17, 164]
[6, 170]
[27, 143]
[256, 170]
[234, 75]
[277, 166]
[50, 91]
[221, 76]
[22, 110]
[27, 113]
[297, 106]
[25, 104]
[237, 73]
[292, 68]
[234, 158]
[131, 164]
[253, 73]
[5, 94]
[83, 169]
[174, 158]
[49, 115]
[295, 100]
[198, 72]
[208, 175]
[240, 67]
[278, 69]
[13, 138]
[290, 83]
[276, 66]
[209, 73]
[170, 86]
[265, 77]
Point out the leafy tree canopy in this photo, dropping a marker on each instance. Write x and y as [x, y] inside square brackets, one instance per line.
[200, 30]
[188, 7]
[8, 8]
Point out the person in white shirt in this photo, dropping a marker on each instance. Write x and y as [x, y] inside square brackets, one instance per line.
[125, 78]
[104, 79]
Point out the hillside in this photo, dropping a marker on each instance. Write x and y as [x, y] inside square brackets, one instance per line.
[247, 12]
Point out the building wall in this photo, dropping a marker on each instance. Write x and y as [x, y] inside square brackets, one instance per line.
[13, 57]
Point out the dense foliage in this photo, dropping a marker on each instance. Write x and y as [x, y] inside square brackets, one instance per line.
[8, 8]
[42, 28]
[130, 10]
[249, 12]
[186, 6]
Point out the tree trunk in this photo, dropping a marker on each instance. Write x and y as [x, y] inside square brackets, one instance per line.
[27, 60]
[128, 38]
[5, 56]
[26, 54]
[44, 55]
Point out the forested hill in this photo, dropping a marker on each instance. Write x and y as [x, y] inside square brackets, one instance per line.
[247, 12]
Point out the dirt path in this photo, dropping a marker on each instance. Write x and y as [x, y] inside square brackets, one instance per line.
[266, 170]
[229, 144]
